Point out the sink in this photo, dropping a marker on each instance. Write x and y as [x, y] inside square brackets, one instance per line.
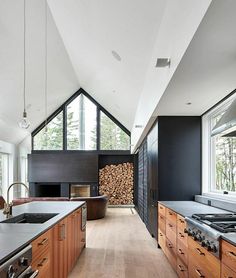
[32, 218]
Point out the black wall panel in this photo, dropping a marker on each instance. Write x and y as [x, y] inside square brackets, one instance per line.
[179, 158]
[63, 167]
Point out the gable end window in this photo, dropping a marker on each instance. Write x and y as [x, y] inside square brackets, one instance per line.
[81, 124]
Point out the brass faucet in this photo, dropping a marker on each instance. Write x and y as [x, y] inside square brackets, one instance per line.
[8, 206]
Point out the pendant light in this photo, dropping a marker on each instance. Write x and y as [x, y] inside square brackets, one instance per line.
[46, 74]
[24, 122]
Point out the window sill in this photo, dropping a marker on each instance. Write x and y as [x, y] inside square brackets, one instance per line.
[219, 196]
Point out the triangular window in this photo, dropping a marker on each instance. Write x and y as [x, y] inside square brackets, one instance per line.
[51, 137]
[112, 136]
[81, 124]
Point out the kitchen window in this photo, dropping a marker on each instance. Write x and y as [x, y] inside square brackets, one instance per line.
[219, 156]
[4, 174]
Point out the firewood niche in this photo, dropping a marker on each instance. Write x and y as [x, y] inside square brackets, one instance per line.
[117, 181]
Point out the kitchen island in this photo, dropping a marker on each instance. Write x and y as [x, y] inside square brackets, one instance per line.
[59, 240]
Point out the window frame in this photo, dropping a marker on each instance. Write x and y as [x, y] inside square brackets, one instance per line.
[7, 172]
[208, 164]
[63, 108]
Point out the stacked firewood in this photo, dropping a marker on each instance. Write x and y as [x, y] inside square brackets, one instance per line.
[117, 181]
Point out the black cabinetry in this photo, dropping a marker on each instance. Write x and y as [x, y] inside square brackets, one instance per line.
[171, 165]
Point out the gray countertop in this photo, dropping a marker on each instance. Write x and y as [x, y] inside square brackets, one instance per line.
[188, 208]
[14, 237]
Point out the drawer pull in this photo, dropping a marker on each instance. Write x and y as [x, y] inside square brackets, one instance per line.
[181, 235]
[181, 251]
[44, 260]
[171, 226]
[181, 221]
[44, 241]
[170, 213]
[200, 252]
[170, 245]
[62, 232]
[160, 234]
[161, 217]
[181, 268]
[199, 273]
[231, 255]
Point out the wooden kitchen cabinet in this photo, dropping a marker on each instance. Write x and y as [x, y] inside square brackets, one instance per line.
[201, 262]
[226, 272]
[66, 244]
[228, 255]
[42, 248]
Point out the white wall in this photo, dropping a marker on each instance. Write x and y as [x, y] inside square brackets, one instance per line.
[11, 150]
[179, 24]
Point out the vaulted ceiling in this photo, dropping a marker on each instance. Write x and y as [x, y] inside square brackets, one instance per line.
[109, 48]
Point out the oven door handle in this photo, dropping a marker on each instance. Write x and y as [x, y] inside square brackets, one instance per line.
[34, 274]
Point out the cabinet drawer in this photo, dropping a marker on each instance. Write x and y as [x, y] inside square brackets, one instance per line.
[41, 244]
[162, 240]
[43, 264]
[170, 254]
[171, 215]
[182, 269]
[182, 252]
[196, 270]
[226, 272]
[229, 255]
[171, 233]
[202, 260]
[161, 209]
[181, 223]
[162, 223]
[182, 237]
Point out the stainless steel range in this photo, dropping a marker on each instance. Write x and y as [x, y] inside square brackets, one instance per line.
[208, 228]
[19, 265]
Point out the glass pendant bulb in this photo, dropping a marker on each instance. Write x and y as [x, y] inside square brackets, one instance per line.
[24, 122]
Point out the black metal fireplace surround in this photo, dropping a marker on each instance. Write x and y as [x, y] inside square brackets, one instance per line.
[51, 173]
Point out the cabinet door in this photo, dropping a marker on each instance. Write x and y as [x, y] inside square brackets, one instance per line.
[78, 232]
[60, 269]
[71, 241]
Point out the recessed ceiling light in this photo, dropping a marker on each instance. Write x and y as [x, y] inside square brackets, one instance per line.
[116, 55]
[188, 103]
[113, 91]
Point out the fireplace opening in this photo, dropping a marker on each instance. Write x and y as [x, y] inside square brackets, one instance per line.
[80, 190]
[48, 190]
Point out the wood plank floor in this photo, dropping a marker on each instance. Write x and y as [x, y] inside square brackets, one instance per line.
[119, 246]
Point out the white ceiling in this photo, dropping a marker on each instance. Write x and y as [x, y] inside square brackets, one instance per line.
[82, 35]
[62, 81]
[91, 30]
[206, 73]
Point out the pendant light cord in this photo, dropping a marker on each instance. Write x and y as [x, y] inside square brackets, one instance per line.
[24, 53]
[46, 61]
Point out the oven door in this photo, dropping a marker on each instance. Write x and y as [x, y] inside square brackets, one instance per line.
[29, 273]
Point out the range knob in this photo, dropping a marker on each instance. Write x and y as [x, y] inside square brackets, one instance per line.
[214, 248]
[23, 261]
[203, 243]
[209, 248]
[11, 271]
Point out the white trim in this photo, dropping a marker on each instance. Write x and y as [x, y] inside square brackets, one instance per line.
[207, 162]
